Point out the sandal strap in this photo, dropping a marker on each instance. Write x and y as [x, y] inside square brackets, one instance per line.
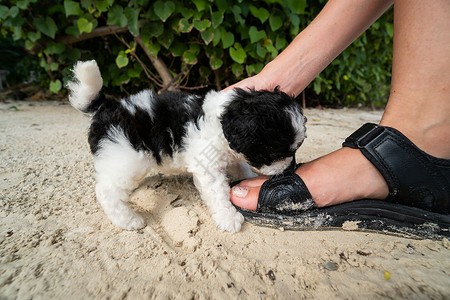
[414, 178]
[285, 194]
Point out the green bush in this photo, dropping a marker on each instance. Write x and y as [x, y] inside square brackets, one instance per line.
[190, 45]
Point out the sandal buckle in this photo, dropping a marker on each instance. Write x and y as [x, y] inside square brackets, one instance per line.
[361, 137]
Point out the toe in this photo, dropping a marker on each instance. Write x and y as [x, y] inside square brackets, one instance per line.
[245, 197]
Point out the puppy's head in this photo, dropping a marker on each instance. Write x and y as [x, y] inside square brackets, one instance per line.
[267, 127]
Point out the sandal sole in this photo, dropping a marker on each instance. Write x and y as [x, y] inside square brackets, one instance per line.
[362, 215]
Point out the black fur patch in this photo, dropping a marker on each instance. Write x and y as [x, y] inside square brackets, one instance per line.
[257, 124]
[161, 135]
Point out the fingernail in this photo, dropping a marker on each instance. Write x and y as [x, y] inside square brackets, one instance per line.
[240, 192]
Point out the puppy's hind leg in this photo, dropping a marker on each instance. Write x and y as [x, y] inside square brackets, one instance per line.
[118, 172]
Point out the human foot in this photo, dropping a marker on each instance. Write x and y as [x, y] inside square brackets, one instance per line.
[376, 162]
[341, 176]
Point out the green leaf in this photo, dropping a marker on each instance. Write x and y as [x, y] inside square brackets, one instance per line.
[217, 37]
[116, 16]
[122, 60]
[237, 14]
[164, 9]
[55, 86]
[186, 12]
[201, 4]
[254, 68]
[34, 36]
[317, 88]
[4, 12]
[216, 18]
[202, 25]
[255, 34]
[269, 46]
[222, 5]
[215, 62]
[132, 15]
[15, 22]
[22, 4]
[47, 26]
[72, 8]
[280, 43]
[190, 57]
[102, 5]
[207, 36]
[297, 6]
[295, 20]
[389, 29]
[238, 54]
[55, 48]
[84, 25]
[17, 33]
[166, 39]
[261, 51]
[43, 64]
[184, 25]
[227, 39]
[261, 13]
[72, 30]
[204, 71]
[237, 69]
[153, 48]
[275, 22]
[178, 48]
[73, 54]
[136, 71]
[29, 45]
[13, 11]
[195, 48]
[54, 66]
[152, 29]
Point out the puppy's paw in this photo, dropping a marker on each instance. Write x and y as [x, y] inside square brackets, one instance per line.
[229, 219]
[129, 221]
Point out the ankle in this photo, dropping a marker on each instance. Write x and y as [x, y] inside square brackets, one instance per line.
[431, 136]
[423, 118]
[342, 176]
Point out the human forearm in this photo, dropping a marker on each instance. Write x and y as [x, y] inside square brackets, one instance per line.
[339, 23]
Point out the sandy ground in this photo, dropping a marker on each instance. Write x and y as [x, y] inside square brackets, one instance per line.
[56, 243]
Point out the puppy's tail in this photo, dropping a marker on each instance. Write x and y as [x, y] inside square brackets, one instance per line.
[85, 86]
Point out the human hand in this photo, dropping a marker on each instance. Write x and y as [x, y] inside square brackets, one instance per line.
[256, 82]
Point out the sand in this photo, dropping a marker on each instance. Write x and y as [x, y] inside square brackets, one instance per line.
[56, 243]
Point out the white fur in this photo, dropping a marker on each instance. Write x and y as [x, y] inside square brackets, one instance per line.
[120, 168]
[298, 122]
[87, 84]
[142, 100]
[276, 167]
[205, 154]
[211, 180]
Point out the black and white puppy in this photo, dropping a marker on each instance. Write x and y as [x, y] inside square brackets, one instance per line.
[175, 133]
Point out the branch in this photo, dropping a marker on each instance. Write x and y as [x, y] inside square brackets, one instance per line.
[133, 53]
[99, 31]
[187, 68]
[159, 65]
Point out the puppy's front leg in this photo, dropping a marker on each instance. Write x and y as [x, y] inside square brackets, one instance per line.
[215, 191]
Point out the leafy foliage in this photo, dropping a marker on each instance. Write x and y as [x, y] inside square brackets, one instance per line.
[203, 43]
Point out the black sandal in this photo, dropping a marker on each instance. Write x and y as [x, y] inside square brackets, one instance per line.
[418, 205]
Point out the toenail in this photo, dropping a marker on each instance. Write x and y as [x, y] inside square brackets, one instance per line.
[240, 192]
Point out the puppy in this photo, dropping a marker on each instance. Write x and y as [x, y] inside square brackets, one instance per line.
[175, 133]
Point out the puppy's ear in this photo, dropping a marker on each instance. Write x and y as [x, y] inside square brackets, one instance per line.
[240, 126]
